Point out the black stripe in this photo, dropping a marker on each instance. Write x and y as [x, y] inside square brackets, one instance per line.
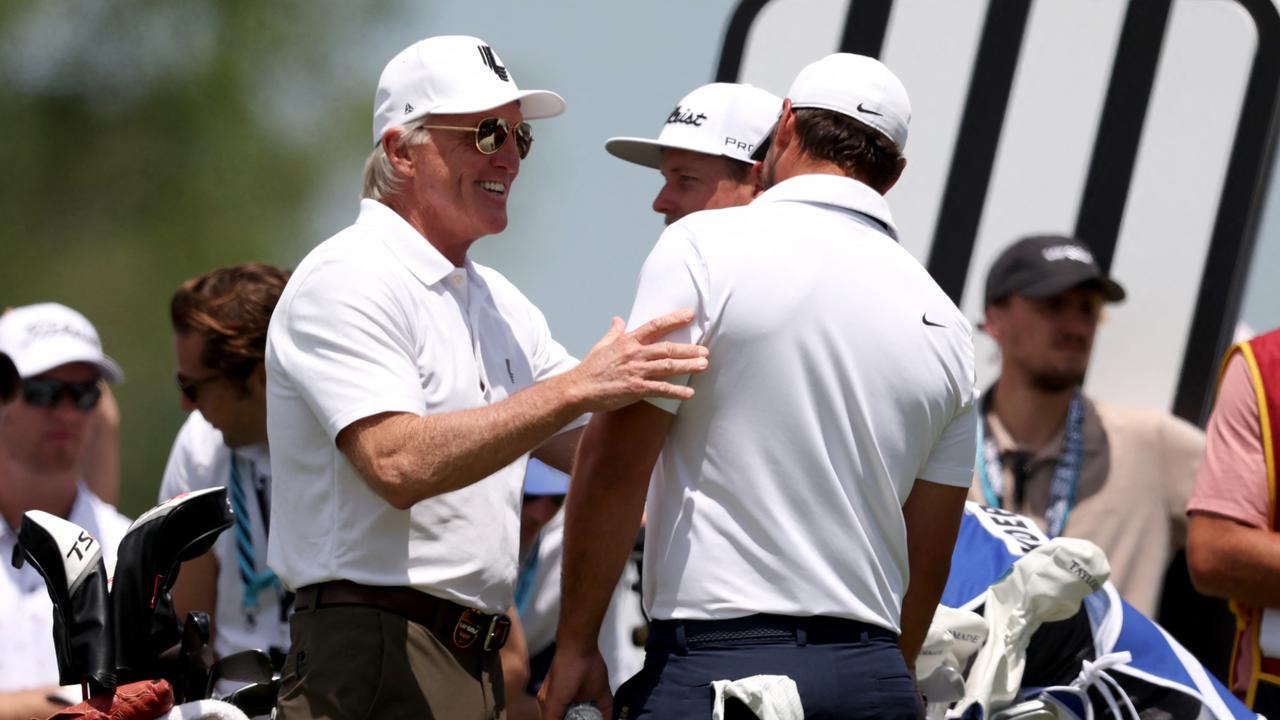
[1124, 111]
[865, 26]
[1236, 227]
[735, 39]
[976, 142]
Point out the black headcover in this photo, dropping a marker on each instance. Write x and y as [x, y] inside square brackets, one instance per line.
[70, 561]
[143, 618]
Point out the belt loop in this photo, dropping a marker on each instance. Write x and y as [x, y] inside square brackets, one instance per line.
[802, 636]
[682, 647]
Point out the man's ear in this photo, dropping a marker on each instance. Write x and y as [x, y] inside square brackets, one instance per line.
[897, 173]
[786, 130]
[755, 178]
[397, 152]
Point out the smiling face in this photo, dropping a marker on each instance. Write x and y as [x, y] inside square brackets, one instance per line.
[456, 194]
[696, 181]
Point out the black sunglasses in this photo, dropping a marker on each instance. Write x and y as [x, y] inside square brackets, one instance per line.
[47, 392]
[191, 388]
[492, 134]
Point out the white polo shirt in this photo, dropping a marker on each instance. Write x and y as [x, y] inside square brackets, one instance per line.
[781, 483]
[376, 320]
[28, 660]
[199, 460]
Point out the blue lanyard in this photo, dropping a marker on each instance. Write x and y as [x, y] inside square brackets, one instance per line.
[1066, 476]
[528, 573]
[251, 580]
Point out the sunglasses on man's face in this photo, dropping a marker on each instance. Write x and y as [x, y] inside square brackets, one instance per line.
[190, 387]
[47, 392]
[492, 134]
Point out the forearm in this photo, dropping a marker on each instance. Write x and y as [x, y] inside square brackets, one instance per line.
[25, 704]
[406, 458]
[604, 507]
[932, 515]
[1234, 561]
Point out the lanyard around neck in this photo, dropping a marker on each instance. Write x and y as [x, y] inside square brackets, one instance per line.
[251, 580]
[1066, 476]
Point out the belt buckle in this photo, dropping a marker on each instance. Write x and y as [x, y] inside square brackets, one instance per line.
[499, 628]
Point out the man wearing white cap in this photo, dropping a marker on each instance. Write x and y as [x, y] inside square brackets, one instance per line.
[406, 387]
[706, 147]
[824, 459]
[44, 437]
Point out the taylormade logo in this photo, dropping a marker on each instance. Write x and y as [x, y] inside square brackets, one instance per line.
[1067, 252]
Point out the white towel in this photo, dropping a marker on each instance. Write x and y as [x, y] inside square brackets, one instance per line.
[770, 697]
[206, 710]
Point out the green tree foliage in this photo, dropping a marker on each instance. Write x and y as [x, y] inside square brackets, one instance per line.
[146, 141]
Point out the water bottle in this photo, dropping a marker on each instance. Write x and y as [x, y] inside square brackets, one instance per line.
[583, 711]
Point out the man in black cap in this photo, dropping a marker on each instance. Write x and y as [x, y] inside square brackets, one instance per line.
[1117, 476]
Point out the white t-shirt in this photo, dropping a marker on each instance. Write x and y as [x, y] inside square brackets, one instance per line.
[27, 658]
[200, 460]
[781, 483]
[376, 320]
[540, 613]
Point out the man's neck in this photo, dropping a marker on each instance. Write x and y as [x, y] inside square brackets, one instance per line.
[21, 491]
[454, 250]
[1033, 417]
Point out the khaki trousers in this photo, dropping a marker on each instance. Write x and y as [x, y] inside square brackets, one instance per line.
[356, 662]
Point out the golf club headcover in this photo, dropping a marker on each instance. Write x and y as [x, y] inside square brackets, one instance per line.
[147, 563]
[1046, 585]
[954, 637]
[70, 561]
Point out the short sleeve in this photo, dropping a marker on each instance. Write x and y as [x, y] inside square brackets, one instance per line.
[346, 346]
[950, 462]
[673, 278]
[188, 458]
[1232, 478]
[549, 358]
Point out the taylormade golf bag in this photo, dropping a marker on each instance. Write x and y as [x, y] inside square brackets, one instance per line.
[1105, 659]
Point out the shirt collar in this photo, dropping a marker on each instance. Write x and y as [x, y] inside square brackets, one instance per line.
[406, 243]
[835, 190]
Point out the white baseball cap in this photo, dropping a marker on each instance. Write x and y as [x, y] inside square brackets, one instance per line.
[728, 119]
[857, 86]
[451, 74]
[41, 337]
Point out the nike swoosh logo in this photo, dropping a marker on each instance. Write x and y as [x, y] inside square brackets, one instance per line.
[924, 318]
[869, 112]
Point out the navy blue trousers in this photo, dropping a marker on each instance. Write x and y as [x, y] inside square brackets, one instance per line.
[862, 677]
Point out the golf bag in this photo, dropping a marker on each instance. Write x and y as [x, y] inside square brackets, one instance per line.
[1105, 659]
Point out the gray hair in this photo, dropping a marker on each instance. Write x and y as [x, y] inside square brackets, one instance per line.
[380, 178]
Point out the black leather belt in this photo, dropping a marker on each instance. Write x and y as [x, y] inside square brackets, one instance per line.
[462, 626]
[813, 630]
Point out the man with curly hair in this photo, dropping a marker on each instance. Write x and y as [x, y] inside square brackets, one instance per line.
[220, 334]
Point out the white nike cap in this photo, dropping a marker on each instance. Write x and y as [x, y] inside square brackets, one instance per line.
[451, 74]
[41, 337]
[728, 119]
[857, 86]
